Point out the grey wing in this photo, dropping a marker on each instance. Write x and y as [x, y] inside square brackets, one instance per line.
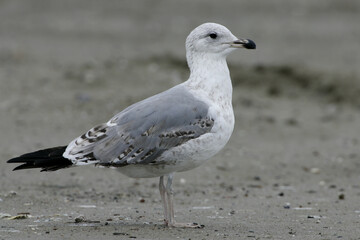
[142, 132]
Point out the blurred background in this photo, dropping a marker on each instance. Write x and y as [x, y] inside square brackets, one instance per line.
[68, 65]
[318, 34]
[57, 57]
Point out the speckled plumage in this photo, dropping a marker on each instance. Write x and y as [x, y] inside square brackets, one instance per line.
[173, 131]
[143, 132]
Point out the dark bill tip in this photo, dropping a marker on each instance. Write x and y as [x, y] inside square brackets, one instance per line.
[250, 44]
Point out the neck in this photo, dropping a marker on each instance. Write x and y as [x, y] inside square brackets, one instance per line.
[210, 74]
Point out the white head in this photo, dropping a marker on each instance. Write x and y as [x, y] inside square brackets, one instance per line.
[213, 39]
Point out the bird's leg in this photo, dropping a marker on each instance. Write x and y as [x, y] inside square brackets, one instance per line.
[170, 201]
[170, 207]
[163, 200]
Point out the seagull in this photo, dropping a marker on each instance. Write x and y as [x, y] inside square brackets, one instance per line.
[173, 131]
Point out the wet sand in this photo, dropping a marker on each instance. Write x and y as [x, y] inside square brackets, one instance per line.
[290, 170]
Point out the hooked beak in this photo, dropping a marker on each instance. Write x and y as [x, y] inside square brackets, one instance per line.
[243, 43]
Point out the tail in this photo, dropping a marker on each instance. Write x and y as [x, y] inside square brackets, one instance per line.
[50, 159]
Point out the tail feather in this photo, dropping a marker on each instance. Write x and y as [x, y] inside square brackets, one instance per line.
[49, 159]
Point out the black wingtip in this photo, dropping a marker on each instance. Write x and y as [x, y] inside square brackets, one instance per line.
[49, 159]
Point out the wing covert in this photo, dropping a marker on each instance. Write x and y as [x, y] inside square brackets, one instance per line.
[143, 131]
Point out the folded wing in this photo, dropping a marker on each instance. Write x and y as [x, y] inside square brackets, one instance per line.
[142, 132]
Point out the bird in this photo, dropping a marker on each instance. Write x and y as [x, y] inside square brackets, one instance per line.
[173, 131]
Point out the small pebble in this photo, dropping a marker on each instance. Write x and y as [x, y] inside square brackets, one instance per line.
[315, 170]
[287, 206]
[80, 219]
[257, 178]
[341, 196]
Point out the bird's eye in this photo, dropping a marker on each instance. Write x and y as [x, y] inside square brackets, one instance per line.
[213, 35]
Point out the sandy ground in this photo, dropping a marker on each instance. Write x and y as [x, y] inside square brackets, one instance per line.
[290, 171]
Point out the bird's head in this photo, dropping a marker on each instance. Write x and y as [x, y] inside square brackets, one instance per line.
[213, 38]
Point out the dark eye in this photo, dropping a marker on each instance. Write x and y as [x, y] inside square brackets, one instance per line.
[213, 35]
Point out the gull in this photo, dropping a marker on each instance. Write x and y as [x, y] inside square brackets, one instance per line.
[173, 131]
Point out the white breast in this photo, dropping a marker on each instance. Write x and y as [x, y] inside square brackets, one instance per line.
[194, 152]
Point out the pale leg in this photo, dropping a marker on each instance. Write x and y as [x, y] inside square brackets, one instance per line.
[163, 200]
[168, 204]
[170, 201]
